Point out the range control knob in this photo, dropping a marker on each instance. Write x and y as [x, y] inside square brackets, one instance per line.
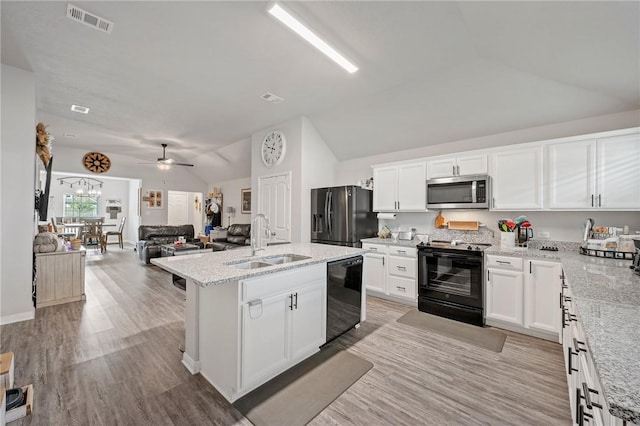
[469, 248]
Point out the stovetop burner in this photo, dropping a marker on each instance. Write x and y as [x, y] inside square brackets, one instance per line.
[454, 245]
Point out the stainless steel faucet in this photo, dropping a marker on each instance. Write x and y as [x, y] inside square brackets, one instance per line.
[255, 241]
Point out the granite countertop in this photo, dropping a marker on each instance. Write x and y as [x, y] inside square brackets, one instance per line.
[607, 298]
[392, 242]
[212, 268]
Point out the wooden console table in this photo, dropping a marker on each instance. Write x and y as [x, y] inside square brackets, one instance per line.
[59, 277]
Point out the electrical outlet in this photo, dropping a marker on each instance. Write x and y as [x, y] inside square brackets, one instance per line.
[543, 234]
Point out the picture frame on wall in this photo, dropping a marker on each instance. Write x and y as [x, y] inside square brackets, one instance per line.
[153, 199]
[245, 200]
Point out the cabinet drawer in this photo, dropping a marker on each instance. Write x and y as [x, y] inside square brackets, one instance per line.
[403, 287]
[402, 266]
[277, 283]
[375, 248]
[505, 262]
[403, 251]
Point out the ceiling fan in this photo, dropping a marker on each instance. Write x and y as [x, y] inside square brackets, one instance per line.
[165, 163]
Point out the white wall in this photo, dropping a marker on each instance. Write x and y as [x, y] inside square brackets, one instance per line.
[68, 160]
[292, 131]
[133, 212]
[195, 214]
[17, 186]
[318, 170]
[350, 171]
[231, 198]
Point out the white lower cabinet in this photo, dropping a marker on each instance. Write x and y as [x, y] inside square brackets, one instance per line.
[505, 292]
[542, 292]
[523, 296]
[391, 271]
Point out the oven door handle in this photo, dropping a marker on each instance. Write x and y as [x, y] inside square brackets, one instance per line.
[449, 256]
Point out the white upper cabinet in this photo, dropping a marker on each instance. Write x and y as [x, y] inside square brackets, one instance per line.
[517, 181]
[618, 172]
[595, 174]
[400, 188]
[457, 166]
[571, 175]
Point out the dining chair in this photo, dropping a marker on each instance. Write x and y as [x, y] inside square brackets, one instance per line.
[93, 230]
[117, 233]
[61, 231]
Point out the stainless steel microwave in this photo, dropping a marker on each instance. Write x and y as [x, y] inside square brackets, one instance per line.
[459, 192]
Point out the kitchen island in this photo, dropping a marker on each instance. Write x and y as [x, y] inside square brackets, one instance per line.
[248, 318]
[606, 296]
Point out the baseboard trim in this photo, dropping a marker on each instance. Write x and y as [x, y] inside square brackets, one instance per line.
[23, 316]
[553, 337]
[192, 366]
[374, 293]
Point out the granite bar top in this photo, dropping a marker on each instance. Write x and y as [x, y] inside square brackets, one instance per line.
[607, 298]
[213, 268]
[392, 242]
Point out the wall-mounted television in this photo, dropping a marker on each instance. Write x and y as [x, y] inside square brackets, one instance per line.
[43, 200]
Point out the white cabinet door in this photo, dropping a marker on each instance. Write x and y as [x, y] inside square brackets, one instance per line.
[385, 183]
[412, 188]
[618, 182]
[542, 286]
[517, 179]
[505, 290]
[471, 165]
[443, 167]
[571, 177]
[265, 342]
[308, 320]
[375, 272]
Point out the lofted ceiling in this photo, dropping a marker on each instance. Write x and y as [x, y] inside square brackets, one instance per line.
[190, 74]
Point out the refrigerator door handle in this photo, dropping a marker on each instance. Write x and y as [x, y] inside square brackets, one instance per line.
[326, 211]
[330, 213]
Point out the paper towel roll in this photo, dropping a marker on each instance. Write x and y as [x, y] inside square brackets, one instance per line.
[386, 215]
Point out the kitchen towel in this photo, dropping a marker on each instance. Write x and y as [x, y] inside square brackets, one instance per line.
[386, 215]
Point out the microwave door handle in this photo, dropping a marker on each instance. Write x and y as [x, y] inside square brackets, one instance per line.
[474, 198]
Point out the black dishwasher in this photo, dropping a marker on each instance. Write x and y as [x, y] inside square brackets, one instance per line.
[344, 295]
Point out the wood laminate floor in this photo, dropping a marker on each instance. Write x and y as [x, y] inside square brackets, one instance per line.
[114, 360]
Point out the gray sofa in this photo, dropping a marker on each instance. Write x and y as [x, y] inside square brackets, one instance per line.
[238, 235]
[151, 237]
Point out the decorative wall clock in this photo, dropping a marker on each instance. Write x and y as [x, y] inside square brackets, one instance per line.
[96, 162]
[274, 146]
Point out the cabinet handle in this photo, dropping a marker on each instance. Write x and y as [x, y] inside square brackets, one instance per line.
[373, 248]
[458, 168]
[561, 276]
[402, 251]
[586, 390]
[401, 288]
[581, 414]
[576, 345]
[570, 368]
[296, 302]
[530, 267]
[591, 200]
[454, 170]
[503, 262]
[494, 202]
[564, 314]
[383, 261]
[567, 299]
[291, 302]
[487, 275]
[599, 200]
[560, 294]
[401, 268]
[398, 205]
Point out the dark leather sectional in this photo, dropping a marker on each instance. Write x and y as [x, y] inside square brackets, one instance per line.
[151, 237]
[238, 235]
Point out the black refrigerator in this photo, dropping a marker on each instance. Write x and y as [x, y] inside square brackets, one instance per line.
[342, 215]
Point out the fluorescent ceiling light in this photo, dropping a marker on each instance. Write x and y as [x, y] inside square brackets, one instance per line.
[291, 22]
[79, 108]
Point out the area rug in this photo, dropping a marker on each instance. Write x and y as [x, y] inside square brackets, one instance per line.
[298, 395]
[486, 338]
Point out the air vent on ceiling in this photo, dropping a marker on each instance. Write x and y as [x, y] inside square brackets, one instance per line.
[79, 108]
[270, 97]
[89, 19]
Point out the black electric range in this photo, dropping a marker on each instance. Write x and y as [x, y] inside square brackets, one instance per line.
[450, 280]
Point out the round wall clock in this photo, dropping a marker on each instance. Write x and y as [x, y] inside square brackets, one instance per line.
[274, 146]
[96, 162]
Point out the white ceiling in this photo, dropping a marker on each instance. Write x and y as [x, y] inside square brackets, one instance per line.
[191, 73]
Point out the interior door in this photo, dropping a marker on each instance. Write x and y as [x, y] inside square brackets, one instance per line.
[275, 203]
[177, 210]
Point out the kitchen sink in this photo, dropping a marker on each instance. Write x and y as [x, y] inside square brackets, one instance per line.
[251, 265]
[285, 258]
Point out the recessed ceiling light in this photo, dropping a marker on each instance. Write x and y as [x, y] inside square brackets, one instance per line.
[79, 108]
[291, 22]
